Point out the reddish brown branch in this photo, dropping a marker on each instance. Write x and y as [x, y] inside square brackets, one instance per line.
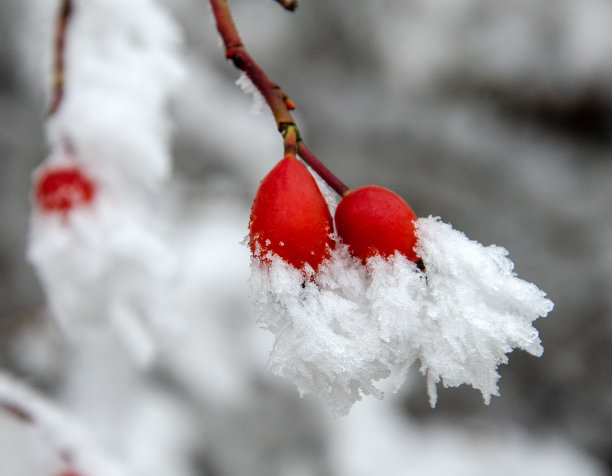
[59, 57]
[274, 96]
[278, 102]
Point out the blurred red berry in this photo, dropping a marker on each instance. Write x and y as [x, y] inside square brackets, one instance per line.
[62, 189]
[290, 217]
[373, 220]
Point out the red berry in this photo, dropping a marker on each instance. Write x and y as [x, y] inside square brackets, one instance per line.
[290, 217]
[60, 190]
[373, 220]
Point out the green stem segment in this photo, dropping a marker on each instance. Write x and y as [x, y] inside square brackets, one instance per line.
[278, 102]
[291, 138]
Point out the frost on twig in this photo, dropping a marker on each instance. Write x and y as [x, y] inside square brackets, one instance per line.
[246, 85]
[340, 331]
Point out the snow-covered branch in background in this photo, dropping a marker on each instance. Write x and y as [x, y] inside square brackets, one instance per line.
[97, 239]
[70, 441]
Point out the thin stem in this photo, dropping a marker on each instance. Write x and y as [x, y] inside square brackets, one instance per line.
[334, 182]
[64, 15]
[278, 102]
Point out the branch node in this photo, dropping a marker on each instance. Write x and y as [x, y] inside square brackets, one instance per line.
[289, 103]
[233, 50]
[290, 5]
[291, 138]
[278, 102]
[289, 127]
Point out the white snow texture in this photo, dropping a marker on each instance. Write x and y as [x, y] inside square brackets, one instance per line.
[58, 430]
[344, 328]
[108, 260]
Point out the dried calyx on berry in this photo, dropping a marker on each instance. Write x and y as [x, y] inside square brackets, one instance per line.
[290, 217]
[62, 189]
[374, 221]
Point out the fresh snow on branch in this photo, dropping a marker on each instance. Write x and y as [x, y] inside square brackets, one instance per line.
[258, 106]
[98, 241]
[122, 63]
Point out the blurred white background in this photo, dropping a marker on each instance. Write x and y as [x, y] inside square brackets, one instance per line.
[495, 115]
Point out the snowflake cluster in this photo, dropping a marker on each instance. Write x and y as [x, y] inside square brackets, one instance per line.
[348, 326]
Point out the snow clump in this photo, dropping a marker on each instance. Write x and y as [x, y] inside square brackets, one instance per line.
[340, 331]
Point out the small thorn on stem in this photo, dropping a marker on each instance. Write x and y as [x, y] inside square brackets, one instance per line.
[289, 103]
[291, 137]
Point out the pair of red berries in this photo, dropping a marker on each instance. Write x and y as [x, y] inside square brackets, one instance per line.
[290, 217]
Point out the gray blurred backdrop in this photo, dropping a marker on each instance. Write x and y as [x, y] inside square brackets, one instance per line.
[494, 114]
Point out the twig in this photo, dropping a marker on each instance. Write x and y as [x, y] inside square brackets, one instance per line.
[278, 102]
[64, 15]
